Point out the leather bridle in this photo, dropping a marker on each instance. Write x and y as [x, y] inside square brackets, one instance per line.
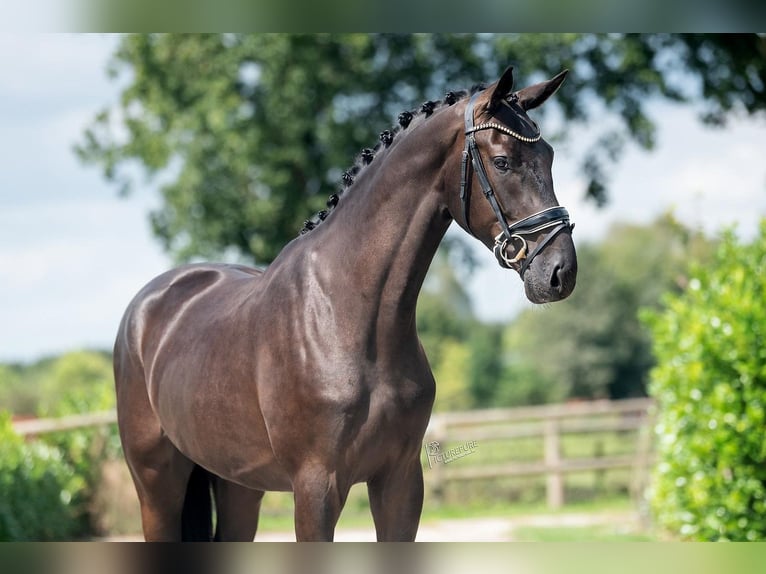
[555, 218]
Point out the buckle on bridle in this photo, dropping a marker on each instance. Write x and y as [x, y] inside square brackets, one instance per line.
[501, 250]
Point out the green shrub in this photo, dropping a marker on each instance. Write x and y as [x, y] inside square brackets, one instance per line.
[37, 489]
[710, 387]
[76, 383]
[73, 383]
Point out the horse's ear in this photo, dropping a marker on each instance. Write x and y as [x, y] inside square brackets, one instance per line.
[533, 96]
[502, 90]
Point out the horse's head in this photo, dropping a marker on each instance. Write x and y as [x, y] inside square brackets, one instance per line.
[506, 197]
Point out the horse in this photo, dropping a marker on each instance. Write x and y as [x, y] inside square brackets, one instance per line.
[308, 376]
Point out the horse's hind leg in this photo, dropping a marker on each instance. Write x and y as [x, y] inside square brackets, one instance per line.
[237, 511]
[396, 501]
[161, 475]
[159, 471]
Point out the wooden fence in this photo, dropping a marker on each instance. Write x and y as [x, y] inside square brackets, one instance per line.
[482, 428]
[550, 423]
[34, 427]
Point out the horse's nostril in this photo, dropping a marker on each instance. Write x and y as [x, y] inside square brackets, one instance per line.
[556, 277]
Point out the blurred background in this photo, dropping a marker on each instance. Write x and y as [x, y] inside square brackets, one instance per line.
[633, 410]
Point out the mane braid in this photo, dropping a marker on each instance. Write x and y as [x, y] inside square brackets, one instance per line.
[367, 155]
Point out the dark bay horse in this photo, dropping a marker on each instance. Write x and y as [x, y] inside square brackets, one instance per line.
[308, 376]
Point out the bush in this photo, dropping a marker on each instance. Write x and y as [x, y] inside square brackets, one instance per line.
[82, 382]
[37, 490]
[73, 383]
[710, 387]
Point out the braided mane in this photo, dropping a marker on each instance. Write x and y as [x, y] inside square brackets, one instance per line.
[367, 155]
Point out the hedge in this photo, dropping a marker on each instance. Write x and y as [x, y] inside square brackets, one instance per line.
[710, 387]
[38, 489]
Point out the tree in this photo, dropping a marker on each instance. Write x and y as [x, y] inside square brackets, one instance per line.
[452, 374]
[710, 387]
[445, 321]
[250, 133]
[593, 345]
[486, 374]
[78, 382]
[72, 383]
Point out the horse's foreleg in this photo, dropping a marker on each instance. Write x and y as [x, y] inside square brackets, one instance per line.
[318, 502]
[396, 501]
[237, 511]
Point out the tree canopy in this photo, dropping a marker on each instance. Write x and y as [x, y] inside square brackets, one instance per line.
[248, 134]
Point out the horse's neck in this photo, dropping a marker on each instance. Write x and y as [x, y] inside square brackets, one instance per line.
[380, 240]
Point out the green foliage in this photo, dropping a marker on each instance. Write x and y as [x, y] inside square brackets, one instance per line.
[81, 382]
[77, 382]
[710, 386]
[451, 374]
[13, 395]
[495, 379]
[73, 383]
[600, 348]
[523, 383]
[249, 133]
[445, 321]
[38, 490]
[485, 367]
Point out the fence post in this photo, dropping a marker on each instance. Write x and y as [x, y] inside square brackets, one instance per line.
[600, 475]
[554, 479]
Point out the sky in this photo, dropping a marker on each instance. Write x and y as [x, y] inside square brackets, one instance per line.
[73, 254]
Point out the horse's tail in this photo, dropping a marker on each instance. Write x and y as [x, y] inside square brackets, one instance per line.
[197, 516]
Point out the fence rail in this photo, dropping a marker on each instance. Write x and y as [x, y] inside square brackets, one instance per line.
[33, 427]
[550, 422]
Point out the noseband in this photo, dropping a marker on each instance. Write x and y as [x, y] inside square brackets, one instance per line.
[556, 217]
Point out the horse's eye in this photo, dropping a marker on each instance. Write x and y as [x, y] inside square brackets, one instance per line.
[501, 163]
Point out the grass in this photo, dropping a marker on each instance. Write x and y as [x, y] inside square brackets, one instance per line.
[456, 510]
[598, 533]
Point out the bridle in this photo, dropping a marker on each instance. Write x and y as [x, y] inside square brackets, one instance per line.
[555, 218]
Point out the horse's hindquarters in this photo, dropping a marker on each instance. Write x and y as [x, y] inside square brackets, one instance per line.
[185, 355]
